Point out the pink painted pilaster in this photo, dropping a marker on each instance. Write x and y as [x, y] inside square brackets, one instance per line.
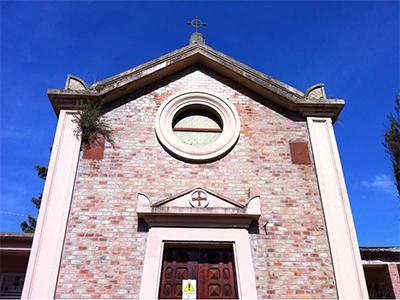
[395, 279]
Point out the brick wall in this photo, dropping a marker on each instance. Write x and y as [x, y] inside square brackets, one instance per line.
[104, 251]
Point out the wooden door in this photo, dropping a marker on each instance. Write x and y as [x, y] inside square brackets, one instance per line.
[213, 270]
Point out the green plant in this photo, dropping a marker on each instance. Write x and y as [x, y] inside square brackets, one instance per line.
[30, 225]
[392, 142]
[91, 124]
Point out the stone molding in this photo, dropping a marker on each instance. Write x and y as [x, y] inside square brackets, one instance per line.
[185, 100]
[74, 83]
[316, 91]
[136, 78]
[177, 211]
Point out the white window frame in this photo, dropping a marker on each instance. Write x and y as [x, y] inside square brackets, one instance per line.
[226, 112]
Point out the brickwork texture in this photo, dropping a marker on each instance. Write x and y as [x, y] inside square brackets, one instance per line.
[104, 246]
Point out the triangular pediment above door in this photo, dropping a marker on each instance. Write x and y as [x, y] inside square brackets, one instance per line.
[198, 206]
[198, 197]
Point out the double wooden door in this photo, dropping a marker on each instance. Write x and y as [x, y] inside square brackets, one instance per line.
[213, 270]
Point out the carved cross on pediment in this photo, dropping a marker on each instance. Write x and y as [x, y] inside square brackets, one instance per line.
[197, 206]
[199, 196]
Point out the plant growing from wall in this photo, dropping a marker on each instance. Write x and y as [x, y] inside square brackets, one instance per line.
[392, 142]
[92, 125]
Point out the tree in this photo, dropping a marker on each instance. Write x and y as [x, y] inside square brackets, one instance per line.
[30, 225]
[392, 142]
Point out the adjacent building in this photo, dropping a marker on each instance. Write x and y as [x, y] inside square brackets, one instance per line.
[14, 256]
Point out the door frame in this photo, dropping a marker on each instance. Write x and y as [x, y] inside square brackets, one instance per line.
[197, 246]
[158, 237]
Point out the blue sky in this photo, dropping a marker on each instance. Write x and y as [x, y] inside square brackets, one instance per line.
[353, 47]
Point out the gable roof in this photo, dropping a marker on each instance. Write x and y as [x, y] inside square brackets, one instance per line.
[112, 88]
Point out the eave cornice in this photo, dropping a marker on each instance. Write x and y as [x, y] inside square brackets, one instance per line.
[132, 80]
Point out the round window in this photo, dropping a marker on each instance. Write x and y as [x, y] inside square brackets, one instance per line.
[197, 126]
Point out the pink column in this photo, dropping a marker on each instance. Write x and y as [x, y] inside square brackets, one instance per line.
[395, 279]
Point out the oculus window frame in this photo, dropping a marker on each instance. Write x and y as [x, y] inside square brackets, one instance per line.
[223, 112]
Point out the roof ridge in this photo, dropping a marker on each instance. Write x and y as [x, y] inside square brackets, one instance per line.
[135, 78]
[109, 80]
[264, 76]
[105, 83]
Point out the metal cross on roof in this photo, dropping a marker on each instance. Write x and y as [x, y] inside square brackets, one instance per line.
[197, 23]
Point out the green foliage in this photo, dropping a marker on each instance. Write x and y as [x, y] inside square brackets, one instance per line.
[29, 227]
[37, 200]
[392, 142]
[92, 125]
[42, 172]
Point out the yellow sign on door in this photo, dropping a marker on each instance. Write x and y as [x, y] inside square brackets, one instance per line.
[189, 289]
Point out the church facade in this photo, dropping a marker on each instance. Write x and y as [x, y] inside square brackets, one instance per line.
[219, 174]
